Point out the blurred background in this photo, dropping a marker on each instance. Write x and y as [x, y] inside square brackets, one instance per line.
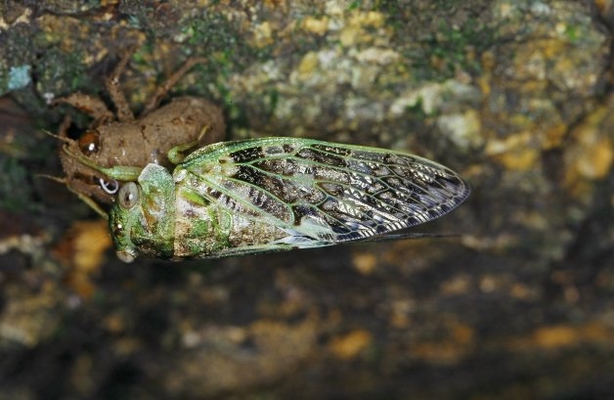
[517, 302]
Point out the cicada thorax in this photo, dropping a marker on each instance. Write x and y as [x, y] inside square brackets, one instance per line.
[144, 215]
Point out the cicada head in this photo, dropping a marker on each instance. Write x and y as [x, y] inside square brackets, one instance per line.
[123, 219]
[142, 219]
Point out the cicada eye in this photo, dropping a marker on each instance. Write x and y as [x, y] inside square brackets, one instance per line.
[89, 142]
[110, 186]
[128, 195]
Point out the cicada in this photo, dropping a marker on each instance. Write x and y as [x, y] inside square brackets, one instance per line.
[275, 194]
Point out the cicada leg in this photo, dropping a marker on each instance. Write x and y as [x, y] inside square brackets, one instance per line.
[118, 172]
[124, 113]
[91, 203]
[176, 154]
[92, 106]
[163, 89]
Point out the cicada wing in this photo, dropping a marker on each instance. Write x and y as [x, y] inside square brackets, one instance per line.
[322, 193]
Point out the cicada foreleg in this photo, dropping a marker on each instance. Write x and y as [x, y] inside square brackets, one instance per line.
[91, 203]
[118, 172]
[176, 154]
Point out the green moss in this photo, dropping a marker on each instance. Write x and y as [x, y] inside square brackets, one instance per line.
[573, 33]
[450, 47]
[217, 36]
[354, 5]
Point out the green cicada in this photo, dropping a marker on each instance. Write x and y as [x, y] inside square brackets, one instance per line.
[274, 194]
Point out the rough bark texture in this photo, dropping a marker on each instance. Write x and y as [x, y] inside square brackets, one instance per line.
[516, 96]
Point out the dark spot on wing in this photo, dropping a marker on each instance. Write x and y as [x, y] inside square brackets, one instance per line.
[322, 157]
[247, 155]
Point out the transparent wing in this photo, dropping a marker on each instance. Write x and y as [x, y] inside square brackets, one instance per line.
[323, 193]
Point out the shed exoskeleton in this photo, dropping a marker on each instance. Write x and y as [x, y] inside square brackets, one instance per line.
[120, 139]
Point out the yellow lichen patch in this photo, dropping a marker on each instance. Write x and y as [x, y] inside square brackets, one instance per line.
[263, 34]
[555, 336]
[599, 159]
[351, 345]
[590, 156]
[459, 284]
[517, 152]
[319, 26]
[91, 241]
[370, 18]
[354, 31]
[519, 159]
[281, 5]
[554, 136]
[83, 249]
[364, 263]
[307, 66]
[350, 35]
[559, 336]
